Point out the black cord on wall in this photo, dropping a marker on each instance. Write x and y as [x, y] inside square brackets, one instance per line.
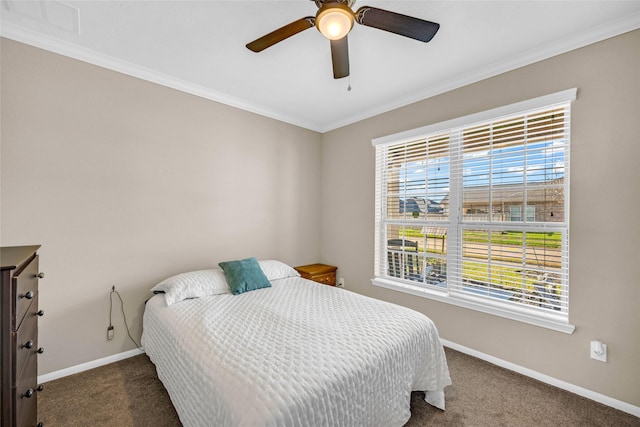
[124, 316]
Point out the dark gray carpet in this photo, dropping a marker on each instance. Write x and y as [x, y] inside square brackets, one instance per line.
[128, 393]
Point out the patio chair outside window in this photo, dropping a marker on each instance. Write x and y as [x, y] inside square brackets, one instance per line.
[403, 259]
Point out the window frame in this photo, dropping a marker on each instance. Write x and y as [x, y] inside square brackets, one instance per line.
[550, 320]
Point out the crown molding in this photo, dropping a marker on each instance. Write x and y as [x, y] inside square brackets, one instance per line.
[51, 44]
[593, 35]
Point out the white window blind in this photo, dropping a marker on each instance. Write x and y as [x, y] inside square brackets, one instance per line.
[478, 212]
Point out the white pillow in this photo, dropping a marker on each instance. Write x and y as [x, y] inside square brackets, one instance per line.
[275, 270]
[193, 284]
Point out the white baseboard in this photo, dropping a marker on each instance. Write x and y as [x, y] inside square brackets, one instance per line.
[580, 391]
[89, 365]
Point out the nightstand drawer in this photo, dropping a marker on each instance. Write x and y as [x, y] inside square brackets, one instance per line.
[327, 279]
[321, 273]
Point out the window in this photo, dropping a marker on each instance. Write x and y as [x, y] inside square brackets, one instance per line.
[516, 213]
[474, 211]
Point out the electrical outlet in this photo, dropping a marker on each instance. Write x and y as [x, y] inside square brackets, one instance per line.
[340, 283]
[598, 351]
[110, 333]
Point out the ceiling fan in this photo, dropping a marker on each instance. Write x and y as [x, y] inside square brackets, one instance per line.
[335, 19]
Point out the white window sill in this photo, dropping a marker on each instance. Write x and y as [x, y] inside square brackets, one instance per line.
[549, 321]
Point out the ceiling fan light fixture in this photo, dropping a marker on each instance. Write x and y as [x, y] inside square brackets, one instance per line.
[334, 20]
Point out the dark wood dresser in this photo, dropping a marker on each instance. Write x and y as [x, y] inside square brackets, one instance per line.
[320, 273]
[19, 315]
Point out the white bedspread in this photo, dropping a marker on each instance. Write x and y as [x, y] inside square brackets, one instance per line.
[296, 354]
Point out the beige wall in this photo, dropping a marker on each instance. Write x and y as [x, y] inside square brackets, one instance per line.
[124, 182]
[605, 201]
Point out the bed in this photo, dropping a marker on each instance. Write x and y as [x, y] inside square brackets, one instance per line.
[291, 353]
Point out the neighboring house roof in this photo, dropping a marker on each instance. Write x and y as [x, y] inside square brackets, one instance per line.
[512, 193]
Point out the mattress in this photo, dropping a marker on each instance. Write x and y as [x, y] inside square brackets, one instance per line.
[296, 354]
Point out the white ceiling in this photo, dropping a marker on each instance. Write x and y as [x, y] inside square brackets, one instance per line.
[199, 47]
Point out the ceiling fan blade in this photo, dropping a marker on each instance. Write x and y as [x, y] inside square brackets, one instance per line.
[340, 57]
[396, 23]
[282, 33]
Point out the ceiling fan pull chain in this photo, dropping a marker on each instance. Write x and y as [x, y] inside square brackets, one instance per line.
[349, 87]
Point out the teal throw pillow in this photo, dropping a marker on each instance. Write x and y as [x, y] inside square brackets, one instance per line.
[244, 275]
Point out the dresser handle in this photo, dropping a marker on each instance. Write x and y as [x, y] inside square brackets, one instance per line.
[40, 313]
[40, 387]
[28, 295]
[28, 344]
[40, 350]
[28, 393]
[40, 275]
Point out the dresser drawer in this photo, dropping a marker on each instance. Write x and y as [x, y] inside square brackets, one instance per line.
[26, 394]
[25, 291]
[25, 340]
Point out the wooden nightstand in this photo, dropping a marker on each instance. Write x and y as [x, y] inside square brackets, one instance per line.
[320, 273]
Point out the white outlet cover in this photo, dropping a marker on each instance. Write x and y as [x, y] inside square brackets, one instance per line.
[598, 351]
